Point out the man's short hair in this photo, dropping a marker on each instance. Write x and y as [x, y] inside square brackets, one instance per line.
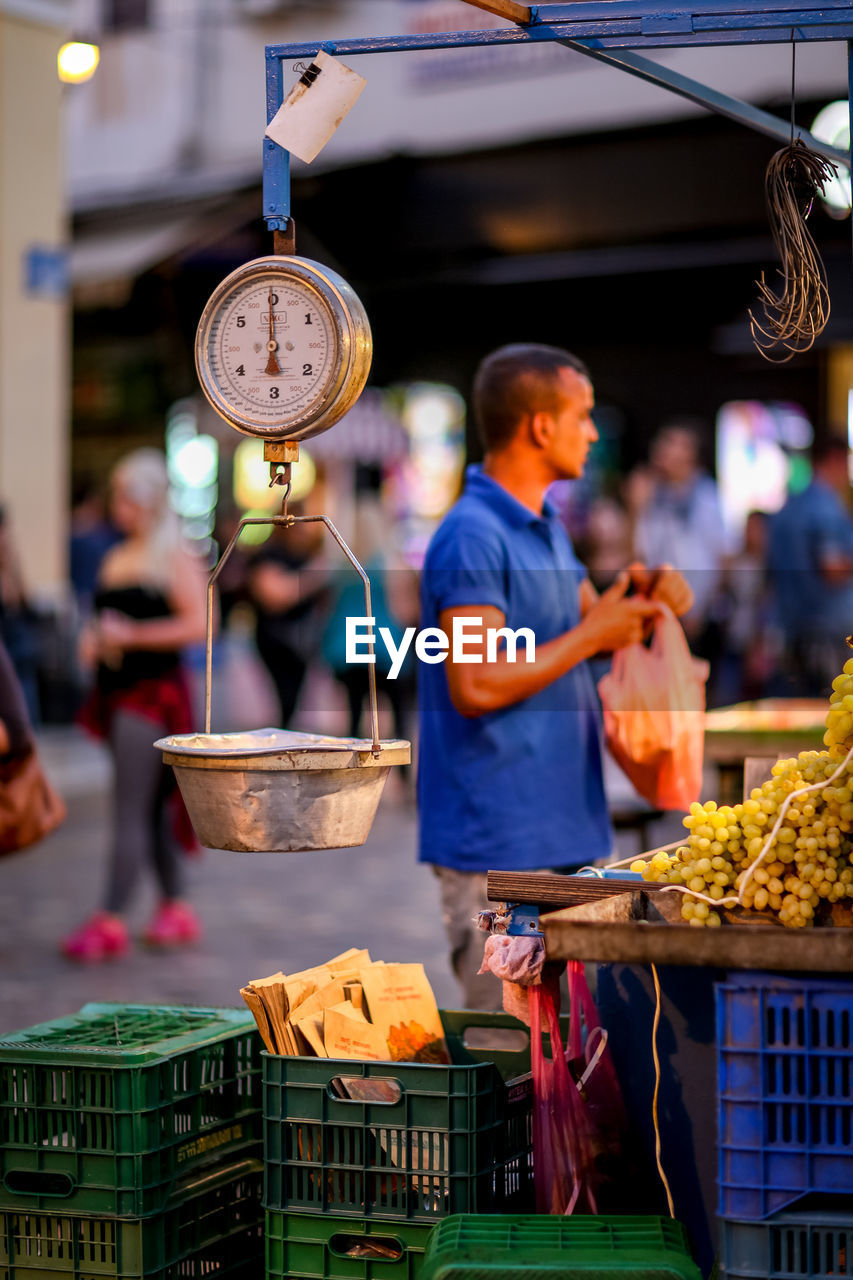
[515, 381]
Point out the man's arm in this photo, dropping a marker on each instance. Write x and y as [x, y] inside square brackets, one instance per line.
[477, 688]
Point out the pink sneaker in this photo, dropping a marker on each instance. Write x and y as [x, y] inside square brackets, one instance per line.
[174, 924]
[103, 937]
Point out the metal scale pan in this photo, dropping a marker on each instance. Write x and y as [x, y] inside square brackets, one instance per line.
[275, 790]
[279, 791]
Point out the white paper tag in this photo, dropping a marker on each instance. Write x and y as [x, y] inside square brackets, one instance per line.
[315, 107]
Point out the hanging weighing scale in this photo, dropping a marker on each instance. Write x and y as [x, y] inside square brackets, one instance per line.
[283, 350]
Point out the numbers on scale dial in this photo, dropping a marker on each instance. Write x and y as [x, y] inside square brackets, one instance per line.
[274, 347]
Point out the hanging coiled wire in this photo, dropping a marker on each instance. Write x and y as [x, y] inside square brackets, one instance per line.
[795, 316]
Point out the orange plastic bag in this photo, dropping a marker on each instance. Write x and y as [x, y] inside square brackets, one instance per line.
[654, 702]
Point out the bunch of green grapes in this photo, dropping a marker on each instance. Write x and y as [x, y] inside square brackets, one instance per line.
[839, 720]
[705, 865]
[808, 861]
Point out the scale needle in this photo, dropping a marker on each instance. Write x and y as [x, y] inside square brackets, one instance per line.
[273, 367]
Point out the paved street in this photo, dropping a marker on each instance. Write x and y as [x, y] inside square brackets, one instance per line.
[261, 912]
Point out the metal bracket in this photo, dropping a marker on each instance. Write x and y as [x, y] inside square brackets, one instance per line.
[523, 920]
[284, 239]
[281, 454]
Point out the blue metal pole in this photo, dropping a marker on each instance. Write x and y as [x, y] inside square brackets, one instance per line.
[625, 24]
[276, 159]
[850, 109]
[692, 14]
[704, 96]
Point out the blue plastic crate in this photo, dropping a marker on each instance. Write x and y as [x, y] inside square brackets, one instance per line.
[817, 1245]
[785, 1091]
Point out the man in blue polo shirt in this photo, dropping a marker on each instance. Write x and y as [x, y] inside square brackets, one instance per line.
[510, 768]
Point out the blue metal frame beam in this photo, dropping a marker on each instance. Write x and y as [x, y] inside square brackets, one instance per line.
[598, 35]
[720, 103]
[648, 18]
[598, 10]
[627, 24]
[594, 27]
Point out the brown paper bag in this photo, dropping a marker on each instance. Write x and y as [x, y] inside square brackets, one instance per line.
[272, 992]
[332, 993]
[259, 1013]
[401, 1005]
[310, 1029]
[348, 1034]
[353, 959]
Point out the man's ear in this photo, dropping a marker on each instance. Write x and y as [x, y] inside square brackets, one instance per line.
[541, 428]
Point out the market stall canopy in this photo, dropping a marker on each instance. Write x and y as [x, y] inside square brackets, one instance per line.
[110, 251]
[120, 256]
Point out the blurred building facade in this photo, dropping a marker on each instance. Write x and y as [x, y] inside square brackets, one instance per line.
[34, 305]
[473, 197]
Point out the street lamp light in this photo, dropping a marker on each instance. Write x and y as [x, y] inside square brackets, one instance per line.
[77, 61]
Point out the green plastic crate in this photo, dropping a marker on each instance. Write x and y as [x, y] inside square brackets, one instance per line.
[103, 1111]
[545, 1247]
[332, 1248]
[448, 1139]
[213, 1226]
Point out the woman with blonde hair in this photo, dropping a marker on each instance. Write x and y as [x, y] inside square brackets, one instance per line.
[150, 604]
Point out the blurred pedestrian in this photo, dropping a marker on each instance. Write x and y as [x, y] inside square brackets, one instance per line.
[149, 605]
[676, 518]
[92, 535]
[18, 622]
[605, 546]
[29, 806]
[394, 605]
[287, 583]
[15, 732]
[811, 572]
[749, 644]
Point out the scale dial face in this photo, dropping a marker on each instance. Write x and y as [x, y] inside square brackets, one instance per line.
[283, 348]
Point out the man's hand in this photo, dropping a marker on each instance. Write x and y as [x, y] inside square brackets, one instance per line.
[667, 585]
[613, 622]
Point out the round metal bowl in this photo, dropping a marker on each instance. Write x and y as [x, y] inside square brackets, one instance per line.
[276, 791]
